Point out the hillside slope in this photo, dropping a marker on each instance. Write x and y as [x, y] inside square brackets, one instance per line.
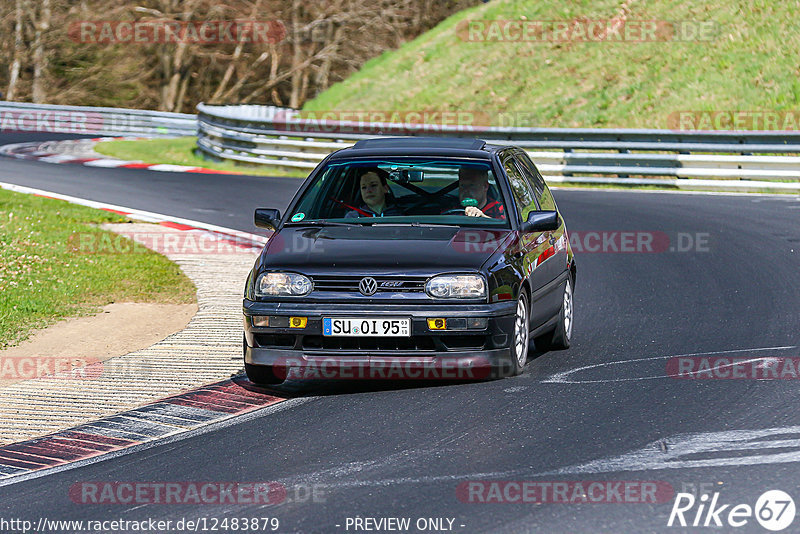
[746, 62]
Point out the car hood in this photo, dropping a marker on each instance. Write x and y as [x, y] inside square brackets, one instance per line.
[381, 249]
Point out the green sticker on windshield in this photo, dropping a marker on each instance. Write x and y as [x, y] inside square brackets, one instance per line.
[298, 217]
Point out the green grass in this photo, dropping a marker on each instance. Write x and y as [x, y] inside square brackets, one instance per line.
[181, 151]
[593, 84]
[43, 279]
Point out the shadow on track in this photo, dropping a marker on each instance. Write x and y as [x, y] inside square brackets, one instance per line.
[329, 387]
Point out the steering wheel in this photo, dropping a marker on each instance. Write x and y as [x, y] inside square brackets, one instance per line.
[455, 211]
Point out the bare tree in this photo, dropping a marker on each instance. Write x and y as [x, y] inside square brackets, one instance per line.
[40, 20]
[324, 42]
[19, 50]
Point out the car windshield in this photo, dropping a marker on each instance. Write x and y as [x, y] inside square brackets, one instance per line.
[404, 191]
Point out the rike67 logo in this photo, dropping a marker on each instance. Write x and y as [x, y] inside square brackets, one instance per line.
[774, 510]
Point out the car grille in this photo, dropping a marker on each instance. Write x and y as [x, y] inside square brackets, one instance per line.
[349, 284]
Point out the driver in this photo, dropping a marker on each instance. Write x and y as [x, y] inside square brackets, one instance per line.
[378, 200]
[473, 182]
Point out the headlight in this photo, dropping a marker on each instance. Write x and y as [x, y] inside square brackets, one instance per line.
[456, 286]
[282, 284]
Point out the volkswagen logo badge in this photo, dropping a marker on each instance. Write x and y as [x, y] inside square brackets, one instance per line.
[368, 286]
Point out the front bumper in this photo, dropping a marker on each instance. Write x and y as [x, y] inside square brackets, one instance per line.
[431, 350]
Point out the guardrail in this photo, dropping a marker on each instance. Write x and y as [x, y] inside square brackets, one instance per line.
[276, 136]
[270, 135]
[26, 117]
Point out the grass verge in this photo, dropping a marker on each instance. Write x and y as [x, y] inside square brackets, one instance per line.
[43, 280]
[181, 151]
[740, 65]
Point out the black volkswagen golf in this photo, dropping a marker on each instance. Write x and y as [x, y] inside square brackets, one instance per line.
[422, 258]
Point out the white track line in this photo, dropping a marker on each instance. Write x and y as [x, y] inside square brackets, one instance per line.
[561, 378]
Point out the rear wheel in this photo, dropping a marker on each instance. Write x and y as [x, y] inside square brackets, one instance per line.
[561, 337]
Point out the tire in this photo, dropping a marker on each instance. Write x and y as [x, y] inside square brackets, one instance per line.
[520, 340]
[259, 374]
[262, 375]
[561, 337]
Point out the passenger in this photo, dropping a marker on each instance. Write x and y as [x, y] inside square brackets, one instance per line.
[473, 183]
[375, 193]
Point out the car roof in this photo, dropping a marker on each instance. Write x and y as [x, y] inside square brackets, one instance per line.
[419, 146]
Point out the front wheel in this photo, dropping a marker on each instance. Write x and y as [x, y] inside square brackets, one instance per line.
[561, 337]
[519, 344]
[261, 374]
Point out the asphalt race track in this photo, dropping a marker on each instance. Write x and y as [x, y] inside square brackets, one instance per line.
[721, 280]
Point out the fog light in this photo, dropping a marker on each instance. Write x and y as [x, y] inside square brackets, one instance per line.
[298, 322]
[260, 320]
[437, 324]
[477, 323]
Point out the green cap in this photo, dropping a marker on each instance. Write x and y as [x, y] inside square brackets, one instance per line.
[467, 202]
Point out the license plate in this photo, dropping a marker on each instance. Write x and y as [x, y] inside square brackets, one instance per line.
[366, 327]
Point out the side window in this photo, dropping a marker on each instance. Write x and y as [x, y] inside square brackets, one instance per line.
[543, 194]
[531, 172]
[523, 196]
[546, 200]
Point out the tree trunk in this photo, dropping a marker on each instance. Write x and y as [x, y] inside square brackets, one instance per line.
[39, 53]
[11, 92]
[322, 79]
[297, 57]
[182, 93]
[172, 88]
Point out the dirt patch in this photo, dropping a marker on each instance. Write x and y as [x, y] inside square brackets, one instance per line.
[119, 329]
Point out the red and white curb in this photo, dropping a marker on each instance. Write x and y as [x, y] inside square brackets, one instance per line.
[177, 414]
[80, 151]
[234, 237]
[174, 415]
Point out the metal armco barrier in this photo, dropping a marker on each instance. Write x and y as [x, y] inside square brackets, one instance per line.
[25, 117]
[268, 135]
[275, 136]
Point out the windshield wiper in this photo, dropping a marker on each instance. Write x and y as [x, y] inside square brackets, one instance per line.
[323, 222]
[419, 224]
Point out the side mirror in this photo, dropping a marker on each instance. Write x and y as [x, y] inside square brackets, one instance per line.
[541, 221]
[267, 218]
